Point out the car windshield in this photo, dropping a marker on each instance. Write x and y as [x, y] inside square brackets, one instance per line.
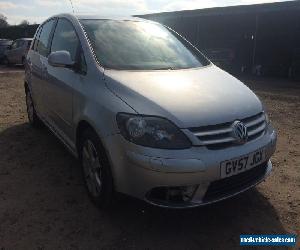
[140, 45]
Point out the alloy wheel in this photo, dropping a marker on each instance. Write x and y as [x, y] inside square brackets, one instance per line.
[30, 108]
[92, 168]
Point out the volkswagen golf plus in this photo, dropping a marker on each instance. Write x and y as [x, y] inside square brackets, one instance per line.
[145, 112]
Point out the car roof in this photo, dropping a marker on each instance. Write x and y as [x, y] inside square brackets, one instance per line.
[99, 17]
[102, 17]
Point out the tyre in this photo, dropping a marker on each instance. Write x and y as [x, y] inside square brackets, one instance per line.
[96, 170]
[33, 119]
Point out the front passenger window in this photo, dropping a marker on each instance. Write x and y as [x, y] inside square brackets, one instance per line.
[65, 38]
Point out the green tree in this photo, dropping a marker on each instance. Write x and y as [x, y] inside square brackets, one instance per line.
[24, 23]
[3, 21]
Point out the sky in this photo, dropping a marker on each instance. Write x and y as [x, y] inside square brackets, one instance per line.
[35, 11]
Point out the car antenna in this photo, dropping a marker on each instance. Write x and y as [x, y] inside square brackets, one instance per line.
[72, 6]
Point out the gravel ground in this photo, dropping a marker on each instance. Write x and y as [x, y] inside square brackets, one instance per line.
[44, 204]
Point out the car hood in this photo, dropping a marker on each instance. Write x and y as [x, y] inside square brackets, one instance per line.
[189, 97]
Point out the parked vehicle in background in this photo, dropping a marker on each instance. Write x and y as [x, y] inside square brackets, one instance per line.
[16, 53]
[145, 112]
[4, 45]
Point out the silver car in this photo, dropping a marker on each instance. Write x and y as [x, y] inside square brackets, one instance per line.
[16, 53]
[4, 45]
[145, 112]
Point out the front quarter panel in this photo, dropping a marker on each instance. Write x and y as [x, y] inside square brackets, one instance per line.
[97, 105]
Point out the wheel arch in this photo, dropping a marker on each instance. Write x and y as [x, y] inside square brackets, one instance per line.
[81, 127]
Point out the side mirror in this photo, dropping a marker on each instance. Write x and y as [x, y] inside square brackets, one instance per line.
[9, 47]
[61, 59]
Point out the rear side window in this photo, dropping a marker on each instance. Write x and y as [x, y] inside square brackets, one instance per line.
[65, 38]
[44, 38]
[36, 38]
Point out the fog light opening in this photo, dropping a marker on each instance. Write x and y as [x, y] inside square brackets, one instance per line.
[172, 195]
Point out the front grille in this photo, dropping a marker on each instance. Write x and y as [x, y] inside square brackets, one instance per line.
[231, 185]
[220, 135]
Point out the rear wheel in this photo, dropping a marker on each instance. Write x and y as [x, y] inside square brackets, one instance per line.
[33, 119]
[96, 170]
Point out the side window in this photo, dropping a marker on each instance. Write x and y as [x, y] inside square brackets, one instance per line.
[35, 41]
[44, 38]
[65, 38]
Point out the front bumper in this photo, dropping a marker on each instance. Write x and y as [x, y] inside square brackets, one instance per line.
[138, 170]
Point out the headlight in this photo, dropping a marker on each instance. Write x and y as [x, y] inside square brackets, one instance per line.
[151, 131]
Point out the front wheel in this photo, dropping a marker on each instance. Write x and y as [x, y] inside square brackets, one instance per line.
[96, 170]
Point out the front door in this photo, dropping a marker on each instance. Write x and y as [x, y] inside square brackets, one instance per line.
[61, 81]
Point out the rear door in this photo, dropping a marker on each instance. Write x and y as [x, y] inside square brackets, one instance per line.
[37, 61]
[61, 81]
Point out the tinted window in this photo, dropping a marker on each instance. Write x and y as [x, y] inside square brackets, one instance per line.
[65, 38]
[140, 45]
[43, 41]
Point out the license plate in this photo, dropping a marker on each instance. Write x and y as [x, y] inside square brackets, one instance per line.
[242, 163]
